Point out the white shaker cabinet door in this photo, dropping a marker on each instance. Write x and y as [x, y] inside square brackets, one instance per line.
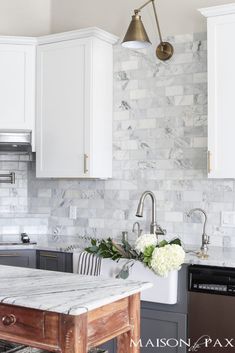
[221, 96]
[17, 86]
[62, 124]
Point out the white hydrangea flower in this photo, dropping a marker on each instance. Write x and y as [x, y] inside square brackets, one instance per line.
[167, 258]
[144, 241]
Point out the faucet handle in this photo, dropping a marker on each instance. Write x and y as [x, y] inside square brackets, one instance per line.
[124, 236]
[206, 239]
[160, 231]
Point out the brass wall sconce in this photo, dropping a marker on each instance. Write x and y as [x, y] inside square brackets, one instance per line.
[137, 38]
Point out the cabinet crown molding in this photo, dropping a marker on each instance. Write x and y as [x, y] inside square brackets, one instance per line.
[227, 9]
[60, 37]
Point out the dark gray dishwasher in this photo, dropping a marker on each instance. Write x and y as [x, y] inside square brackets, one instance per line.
[211, 314]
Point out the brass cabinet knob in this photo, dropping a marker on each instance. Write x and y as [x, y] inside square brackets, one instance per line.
[209, 162]
[9, 320]
[85, 163]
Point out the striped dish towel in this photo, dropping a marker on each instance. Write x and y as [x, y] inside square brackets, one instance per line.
[86, 264]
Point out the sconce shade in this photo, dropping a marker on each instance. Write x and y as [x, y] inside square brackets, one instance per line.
[136, 36]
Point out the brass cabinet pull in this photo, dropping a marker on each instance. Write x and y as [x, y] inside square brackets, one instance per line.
[9, 255]
[9, 320]
[49, 255]
[85, 163]
[8, 178]
[209, 161]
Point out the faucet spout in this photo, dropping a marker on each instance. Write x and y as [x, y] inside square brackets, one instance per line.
[205, 237]
[154, 227]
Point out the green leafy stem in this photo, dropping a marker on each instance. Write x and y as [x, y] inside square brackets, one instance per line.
[108, 248]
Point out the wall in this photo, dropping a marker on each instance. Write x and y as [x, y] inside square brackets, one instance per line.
[15, 216]
[160, 129]
[160, 143]
[176, 17]
[25, 17]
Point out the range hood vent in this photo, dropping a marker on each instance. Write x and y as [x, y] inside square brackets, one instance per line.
[18, 142]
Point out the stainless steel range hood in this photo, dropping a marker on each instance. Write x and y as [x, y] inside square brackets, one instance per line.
[18, 141]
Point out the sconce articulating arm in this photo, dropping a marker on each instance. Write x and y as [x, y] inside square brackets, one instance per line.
[155, 14]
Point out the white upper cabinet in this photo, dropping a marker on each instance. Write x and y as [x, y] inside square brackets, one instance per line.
[74, 110]
[74, 107]
[17, 86]
[62, 115]
[61, 88]
[221, 97]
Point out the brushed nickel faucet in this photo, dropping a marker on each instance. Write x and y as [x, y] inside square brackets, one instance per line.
[205, 237]
[154, 227]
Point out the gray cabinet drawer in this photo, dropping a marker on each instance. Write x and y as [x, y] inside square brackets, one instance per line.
[20, 258]
[54, 261]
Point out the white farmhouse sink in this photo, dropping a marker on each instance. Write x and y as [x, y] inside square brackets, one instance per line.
[164, 290]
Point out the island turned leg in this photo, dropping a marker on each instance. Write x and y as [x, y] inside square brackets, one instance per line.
[73, 335]
[129, 342]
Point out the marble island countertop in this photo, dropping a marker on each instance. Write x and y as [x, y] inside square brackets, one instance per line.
[62, 292]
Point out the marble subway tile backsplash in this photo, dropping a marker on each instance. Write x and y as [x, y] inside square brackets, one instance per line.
[159, 143]
[14, 203]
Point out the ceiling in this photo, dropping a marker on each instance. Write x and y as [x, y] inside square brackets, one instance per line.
[176, 16]
[25, 17]
[37, 17]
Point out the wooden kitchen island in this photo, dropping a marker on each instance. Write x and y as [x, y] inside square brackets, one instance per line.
[68, 313]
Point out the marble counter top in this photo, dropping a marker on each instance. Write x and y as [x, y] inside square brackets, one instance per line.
[18, 247]
[62, 292]
[218, 256]
[50, 247]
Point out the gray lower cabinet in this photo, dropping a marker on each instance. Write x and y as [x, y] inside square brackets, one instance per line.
[20, 258]
[163, 331]
[54, 261]
[110, 346]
